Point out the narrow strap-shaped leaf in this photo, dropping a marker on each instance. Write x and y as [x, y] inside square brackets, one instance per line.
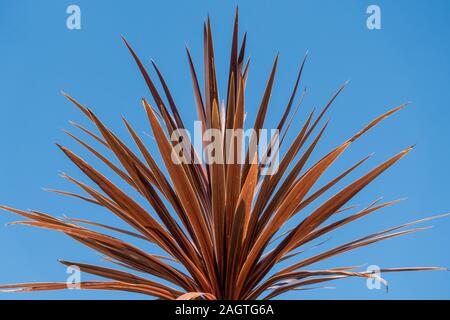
[90, 285]
[186, 194]
[260, 117]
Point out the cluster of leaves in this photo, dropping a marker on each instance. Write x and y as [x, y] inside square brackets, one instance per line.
[221, 225]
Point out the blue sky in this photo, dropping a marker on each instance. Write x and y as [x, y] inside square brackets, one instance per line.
[407, 60]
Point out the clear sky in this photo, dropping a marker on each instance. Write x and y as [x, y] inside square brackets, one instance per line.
[407, 60]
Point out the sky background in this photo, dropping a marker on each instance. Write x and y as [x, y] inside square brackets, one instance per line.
[405, 61]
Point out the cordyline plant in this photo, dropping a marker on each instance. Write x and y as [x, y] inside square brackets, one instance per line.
[222, 226]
